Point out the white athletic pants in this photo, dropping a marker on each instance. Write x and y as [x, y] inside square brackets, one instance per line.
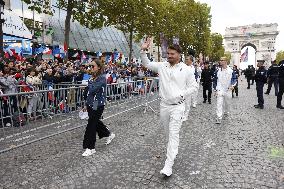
[223, 103]
[171, 119]
[195, 95]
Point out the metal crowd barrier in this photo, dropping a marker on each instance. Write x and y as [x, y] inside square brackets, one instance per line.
[30, 116]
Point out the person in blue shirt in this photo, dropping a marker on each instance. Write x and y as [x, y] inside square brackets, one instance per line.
[95, 97]
[236, 74]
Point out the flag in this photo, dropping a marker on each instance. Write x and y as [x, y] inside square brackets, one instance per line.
[10, 52]
[244, 56]
[65, 49]
[56, 51]
[164, 45]
[83, 56]
[47, 51]
[7, 55]
[76, 55]
[175, 40]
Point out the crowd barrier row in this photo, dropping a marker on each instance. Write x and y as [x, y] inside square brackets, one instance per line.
[26, 110]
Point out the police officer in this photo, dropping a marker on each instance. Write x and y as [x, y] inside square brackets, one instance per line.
[249, 75]
[281, 84]
[272, 75]
[206, 81]
[260, 79]
[253, 75]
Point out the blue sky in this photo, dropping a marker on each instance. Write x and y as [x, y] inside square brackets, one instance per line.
[231, 13]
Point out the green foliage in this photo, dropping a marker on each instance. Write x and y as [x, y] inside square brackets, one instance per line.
[188, 20]
[279, 56]
[228, 56]
[216, 47]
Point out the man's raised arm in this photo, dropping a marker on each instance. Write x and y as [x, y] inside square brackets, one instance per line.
[154, 66]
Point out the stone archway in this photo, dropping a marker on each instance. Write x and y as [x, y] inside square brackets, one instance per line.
[243, 65]
[259, 36]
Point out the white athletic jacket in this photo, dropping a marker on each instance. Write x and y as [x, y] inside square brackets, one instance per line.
[176, 82]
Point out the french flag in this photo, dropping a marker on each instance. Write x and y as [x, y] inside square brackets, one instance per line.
[47, 51]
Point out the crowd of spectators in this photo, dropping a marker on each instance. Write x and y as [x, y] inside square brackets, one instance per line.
[26, 76]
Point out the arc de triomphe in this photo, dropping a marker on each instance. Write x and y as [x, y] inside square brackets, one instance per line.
[259, 36]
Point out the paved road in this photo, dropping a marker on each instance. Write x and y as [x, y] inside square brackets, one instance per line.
[245, 151]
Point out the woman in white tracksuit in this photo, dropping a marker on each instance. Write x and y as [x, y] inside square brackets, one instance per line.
[225, 84]
[176, 83]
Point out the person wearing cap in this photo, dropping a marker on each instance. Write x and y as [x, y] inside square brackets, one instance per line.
[281, 84]
[260, 79]
[176, 82]
[95, 97]
[225, 84]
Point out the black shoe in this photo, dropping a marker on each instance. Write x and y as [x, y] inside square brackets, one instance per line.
[280, 106]
[204, 101]
[258, 106]
[266, 93]
[209, 102]
[248, 87]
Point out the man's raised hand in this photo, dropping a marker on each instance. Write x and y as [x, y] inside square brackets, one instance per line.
[146, 44]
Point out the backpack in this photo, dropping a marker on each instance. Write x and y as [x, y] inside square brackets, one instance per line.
[18, 119]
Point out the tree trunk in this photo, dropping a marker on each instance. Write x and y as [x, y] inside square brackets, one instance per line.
[159, 55]
[67, 26]
[1, 40]
[130, 44]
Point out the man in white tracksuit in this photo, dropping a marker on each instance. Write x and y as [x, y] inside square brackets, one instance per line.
[191, 99]
[176, 82]
[225, 84]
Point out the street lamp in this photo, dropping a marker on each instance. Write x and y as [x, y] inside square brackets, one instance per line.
[2, 4]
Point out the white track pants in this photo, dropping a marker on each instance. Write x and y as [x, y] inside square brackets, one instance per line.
[195, 95]
[223, 103]
[171, 118]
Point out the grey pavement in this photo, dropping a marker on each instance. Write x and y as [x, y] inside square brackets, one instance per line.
[245, 151]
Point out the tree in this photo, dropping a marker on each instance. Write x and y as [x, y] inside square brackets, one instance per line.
[85, 11]
[202, 24]
[216, 47]
[279, 56]
[132, 17]
[228, 56]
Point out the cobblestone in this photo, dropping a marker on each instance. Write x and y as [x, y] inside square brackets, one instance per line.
[234, 154]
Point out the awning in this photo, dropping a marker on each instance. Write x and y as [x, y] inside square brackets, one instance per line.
[14, 25]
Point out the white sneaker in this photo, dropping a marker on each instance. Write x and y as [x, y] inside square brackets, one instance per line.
[166, 171]
[194, 105]
[89, 152]
[8, 124]
[110, 138]
[185, 117]
[218, 120]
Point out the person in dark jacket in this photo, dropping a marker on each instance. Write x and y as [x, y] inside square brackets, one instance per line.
[253, 75]
[281, 84]
[95, 97]
[260, 79]
[206, 81]
[249, 75]
[236, 77]
[272, 77]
